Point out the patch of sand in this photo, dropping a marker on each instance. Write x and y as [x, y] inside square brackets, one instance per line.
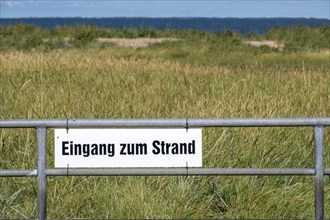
[268, 43]
[135, 42]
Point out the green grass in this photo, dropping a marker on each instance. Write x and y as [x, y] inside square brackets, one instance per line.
[202, 75]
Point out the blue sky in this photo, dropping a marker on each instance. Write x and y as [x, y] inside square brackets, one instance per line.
[163, 8]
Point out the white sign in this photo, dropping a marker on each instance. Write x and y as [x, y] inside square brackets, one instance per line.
[128, 148]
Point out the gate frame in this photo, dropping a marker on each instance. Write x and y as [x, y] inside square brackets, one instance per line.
[41, 126]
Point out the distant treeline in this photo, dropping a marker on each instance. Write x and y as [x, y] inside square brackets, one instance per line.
[239, 25]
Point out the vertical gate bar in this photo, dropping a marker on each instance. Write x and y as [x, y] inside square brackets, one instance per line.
[42, 179]
[319, 171]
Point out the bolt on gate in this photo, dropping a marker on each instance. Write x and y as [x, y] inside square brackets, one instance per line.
[41, 125]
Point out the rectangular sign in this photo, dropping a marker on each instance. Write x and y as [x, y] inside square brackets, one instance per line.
[128, 148]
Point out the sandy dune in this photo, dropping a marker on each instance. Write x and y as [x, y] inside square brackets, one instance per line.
[268, 43]
[134, 43]
[144, 42]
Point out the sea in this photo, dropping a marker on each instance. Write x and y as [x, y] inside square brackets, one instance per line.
[239, 25]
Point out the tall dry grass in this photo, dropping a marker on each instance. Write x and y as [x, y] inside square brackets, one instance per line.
[164, 82]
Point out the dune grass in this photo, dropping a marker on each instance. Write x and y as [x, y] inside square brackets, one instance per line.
[188, 78]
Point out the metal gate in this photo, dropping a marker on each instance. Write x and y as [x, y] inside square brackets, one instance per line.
[41, 125]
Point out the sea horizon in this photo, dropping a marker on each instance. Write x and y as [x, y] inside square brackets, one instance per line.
[215, 24]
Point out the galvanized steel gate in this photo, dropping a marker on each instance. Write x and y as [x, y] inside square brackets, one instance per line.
[42, 171]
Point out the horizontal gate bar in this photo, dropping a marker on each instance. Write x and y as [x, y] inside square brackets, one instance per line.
[152, 123]
[18, 173]
[163, 172]
[179, 171]
[326, 171]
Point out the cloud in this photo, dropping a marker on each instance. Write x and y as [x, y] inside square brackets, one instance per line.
[9, 4]
[14, 4]
[75, 4]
